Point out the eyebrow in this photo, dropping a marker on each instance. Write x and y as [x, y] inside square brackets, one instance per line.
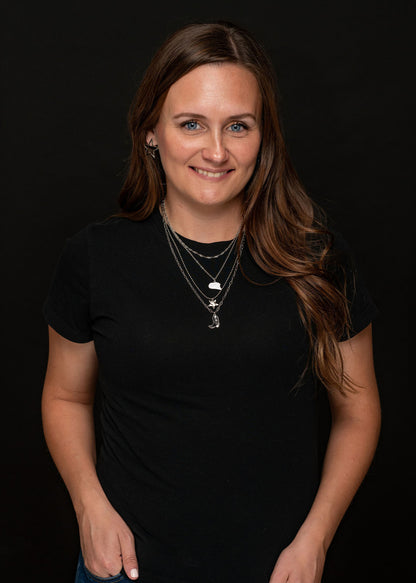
[199, 116]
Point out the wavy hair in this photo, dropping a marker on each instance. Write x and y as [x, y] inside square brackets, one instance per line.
[286, 231]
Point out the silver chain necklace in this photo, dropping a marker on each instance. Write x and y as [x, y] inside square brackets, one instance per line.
[178, 256]
[214, 284]
[212, 306]
[193, 252]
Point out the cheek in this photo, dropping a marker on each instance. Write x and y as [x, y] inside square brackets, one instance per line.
[245, 150]
[248, 154]
[175, 151]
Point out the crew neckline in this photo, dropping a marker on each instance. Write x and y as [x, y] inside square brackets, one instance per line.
[197, 245]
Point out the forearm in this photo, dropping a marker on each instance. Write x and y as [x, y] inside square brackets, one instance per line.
[69, 433]
[350, 450]
[352, 442]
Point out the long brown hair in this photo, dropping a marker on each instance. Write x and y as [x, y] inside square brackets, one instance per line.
[286, 230]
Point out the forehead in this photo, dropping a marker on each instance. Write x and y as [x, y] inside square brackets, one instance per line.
[217, 87]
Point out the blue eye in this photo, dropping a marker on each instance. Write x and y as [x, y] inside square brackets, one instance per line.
[191, 125]
[237, 127]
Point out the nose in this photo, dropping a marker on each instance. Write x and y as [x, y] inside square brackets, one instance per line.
[215, 150]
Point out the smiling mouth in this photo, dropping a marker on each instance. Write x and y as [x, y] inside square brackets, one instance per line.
[210, 174]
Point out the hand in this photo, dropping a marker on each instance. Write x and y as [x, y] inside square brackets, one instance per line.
[107, 543]
[301, 562]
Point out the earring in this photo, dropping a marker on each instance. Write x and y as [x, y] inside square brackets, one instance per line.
[150, 149]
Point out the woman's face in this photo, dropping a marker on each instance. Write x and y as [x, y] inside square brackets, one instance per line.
[209, 134]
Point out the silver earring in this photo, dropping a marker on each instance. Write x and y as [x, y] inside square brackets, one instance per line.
[150, 149]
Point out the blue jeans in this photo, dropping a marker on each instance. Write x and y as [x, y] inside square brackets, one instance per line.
[84, 576]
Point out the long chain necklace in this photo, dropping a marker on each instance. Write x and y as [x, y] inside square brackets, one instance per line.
[212, 306]
[178, 256]
[214, 284]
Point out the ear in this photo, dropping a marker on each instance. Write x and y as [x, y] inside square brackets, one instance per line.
[151, 136]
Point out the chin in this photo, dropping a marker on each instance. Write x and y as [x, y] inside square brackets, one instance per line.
[216, 199]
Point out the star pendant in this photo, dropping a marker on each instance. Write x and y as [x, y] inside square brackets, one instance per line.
[213, 303]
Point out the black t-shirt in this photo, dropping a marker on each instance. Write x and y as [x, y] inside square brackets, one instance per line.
[205, 450]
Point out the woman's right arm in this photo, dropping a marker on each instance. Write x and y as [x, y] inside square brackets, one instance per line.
[107, 543]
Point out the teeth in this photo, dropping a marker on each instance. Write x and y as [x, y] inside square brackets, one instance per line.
[211, 174]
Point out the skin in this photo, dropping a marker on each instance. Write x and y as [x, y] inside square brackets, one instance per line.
[210, 121]
[205, 208]
[352, 443]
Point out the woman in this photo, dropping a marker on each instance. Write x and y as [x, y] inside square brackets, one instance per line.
[210, 310]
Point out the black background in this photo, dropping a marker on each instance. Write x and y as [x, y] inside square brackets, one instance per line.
[69, 72]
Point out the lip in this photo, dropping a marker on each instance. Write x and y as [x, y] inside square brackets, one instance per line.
[211, 173]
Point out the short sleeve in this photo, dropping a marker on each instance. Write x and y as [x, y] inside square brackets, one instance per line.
[67, 305]
[363, 309]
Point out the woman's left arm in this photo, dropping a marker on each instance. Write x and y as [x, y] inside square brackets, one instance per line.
[352, 442]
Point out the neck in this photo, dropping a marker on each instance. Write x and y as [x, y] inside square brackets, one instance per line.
[205, 225]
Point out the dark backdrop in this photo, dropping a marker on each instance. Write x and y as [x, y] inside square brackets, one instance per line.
[69, 72]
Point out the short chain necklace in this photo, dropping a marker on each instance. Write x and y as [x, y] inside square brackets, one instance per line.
[214, 284]
[212, 306]
[185, 246]
[178, 256]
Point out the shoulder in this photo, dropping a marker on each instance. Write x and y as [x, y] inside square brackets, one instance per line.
[340, 250]
[110, 231]
[108, 227]
[349, 277]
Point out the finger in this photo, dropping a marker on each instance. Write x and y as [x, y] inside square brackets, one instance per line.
[104, 561]
[128, 552]
[279, 576]
[280, 579]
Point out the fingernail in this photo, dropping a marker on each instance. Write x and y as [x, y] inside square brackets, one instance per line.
[134, 573]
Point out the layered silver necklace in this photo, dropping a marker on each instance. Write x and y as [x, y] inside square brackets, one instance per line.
[210, 303]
